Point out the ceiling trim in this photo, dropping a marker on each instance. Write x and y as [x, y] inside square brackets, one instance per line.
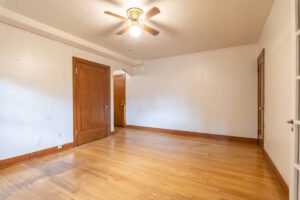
[28, 24]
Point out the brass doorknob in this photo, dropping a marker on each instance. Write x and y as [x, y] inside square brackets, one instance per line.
[291, 122]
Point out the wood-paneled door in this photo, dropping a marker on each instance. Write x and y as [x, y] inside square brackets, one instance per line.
[91, 101]
[261, 96]
[120, 100]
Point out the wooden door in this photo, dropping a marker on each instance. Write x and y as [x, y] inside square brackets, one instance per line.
[91, 87]
[119, 100]
[261, 97]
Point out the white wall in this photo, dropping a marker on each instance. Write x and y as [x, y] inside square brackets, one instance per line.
[276, 39]
[209, 92]
[36, 91]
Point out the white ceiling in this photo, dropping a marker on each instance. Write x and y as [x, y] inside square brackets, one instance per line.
[186, 25]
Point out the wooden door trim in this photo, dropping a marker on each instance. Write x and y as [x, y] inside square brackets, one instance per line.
[121, 75]
[261, 56]
[77, 60]
[125, 100]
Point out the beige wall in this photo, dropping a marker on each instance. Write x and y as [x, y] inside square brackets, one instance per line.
[36, 91]
[210, 92]
[276, 39]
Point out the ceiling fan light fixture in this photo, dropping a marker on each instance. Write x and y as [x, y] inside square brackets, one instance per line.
[135, 30]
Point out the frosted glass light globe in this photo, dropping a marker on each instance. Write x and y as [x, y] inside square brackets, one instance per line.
[135, 31]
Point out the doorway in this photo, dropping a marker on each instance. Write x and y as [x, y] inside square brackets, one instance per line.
[120, 100]
[261, 96]
[91, 101]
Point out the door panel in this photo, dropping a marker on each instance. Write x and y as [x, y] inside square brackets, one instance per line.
[119, 100]
[92, 101]
[261, 101]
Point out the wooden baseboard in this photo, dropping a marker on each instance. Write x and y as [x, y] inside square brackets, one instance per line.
[281, 180]
[19, 159]
[190, 133]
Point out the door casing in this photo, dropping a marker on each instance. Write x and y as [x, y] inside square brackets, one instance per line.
[261, 97]
[295, 91]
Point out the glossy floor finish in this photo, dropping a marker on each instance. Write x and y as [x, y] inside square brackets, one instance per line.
[140, 165]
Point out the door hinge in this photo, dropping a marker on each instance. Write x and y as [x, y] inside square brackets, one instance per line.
[76, 70]
[76, 132]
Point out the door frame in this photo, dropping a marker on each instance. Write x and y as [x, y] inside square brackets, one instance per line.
[76, 60]
[125, 100]
[261, 96]
[295, 121]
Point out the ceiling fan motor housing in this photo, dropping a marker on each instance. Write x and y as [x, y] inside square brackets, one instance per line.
[134, 14]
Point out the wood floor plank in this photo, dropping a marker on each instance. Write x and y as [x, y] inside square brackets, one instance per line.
[136, 164]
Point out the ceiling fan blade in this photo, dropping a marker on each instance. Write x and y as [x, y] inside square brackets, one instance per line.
[115, 15]
[126, 28]
[152, 12]
[114, 2]
[150, 30]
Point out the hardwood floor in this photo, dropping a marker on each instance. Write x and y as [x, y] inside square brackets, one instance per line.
[140, 165]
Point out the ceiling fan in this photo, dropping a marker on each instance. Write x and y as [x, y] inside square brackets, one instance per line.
[134, 17]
